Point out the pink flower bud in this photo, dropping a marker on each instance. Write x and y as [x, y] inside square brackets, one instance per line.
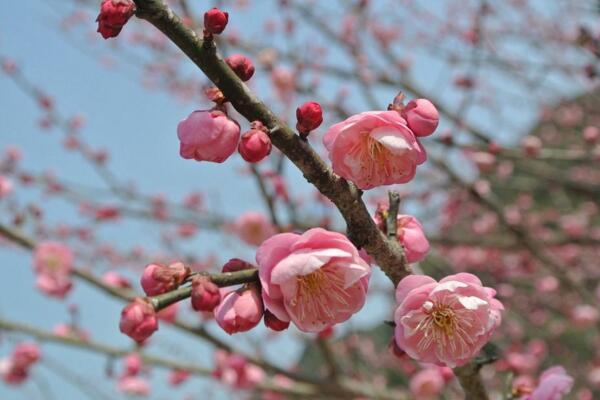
[25, 354]
[138, 320]
[158, 279]
[591, 134]
[421, 116]
[133, 364]
[134, 386]
[236, 264]
[115, 279]
[178, 376]
[274, 323]
[255, 145]
[215, 21]
[207, 136]
[240, 310]
[309, 116]
[205, 294]
[114, 14]
[241, 65]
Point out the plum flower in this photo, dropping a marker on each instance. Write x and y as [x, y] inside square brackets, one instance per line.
[374, 148]
[239, 310]
[315, 280]
[253, 228]
[446, 322]
[53, 263]
[208, 136]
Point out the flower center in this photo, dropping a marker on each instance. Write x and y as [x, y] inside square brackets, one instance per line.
[320, 295]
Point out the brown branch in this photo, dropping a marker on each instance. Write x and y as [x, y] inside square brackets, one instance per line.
[360, 226]
[470, 380]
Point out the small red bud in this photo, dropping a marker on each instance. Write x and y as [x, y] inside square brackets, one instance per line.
[309, 116]
[205, 294]
[274, 323]
[255, 145]
[215, 21]
[236, 264]
[114, 14]
[241, 65]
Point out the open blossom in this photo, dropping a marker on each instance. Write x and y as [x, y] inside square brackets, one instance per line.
[445, 322]
[158, 278]
[374, 148]
[53, 263]
[253, 228]
[315, 280]
[427, 384]
[409, 233]
[52, 258]
[554, 384]
[138, 320]
[207, 136]
[240, 310]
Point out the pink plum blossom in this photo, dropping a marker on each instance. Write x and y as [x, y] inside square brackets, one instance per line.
[253, 228]
[374, 148]
[427, 384]
[445, 322]
[239, 310]
[6, 186]
[53, 263]
[208, 136]
[315, 280]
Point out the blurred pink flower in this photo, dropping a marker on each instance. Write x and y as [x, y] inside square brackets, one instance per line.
[445, 322]
[316, 279]
[554, 384]
[374, 148]
[6, 186]
[132, 385]
[253, 228]
[427, 384]
[235, 371]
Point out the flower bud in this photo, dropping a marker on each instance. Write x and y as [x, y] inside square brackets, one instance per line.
[215, 21]
[25, 354]
[236, 264]
[207, 136]
[274, 323]
[205, 294]
[158, 279]
[309, 116]
[421, 116]
[240, 310]
[255, 145]
[138, 320]
[241, 65]
[114, 14]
